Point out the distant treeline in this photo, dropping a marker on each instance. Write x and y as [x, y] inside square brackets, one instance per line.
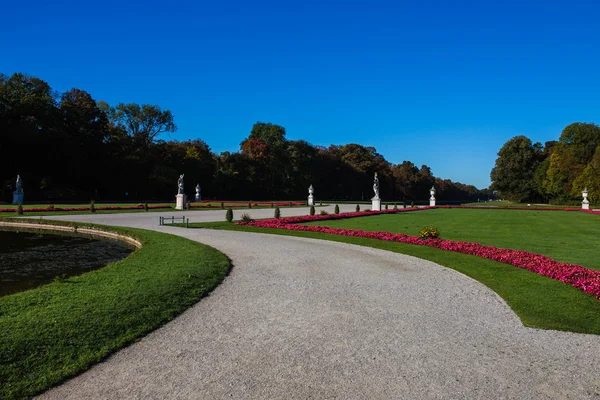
[556, 172]
[67, 146]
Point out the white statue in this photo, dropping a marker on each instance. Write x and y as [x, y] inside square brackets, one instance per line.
[19, 188]
[311, 197]
[198, 197]
[376, 186]
[180, 184]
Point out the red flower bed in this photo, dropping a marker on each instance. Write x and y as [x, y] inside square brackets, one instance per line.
[582, 278]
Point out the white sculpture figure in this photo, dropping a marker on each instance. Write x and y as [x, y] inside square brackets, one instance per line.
[585, 204]
[376, 186]
[180, 184]
[376, 201]
[18, 193]
[19, 188]
[311, 198]
[198, 197]
[432, 198]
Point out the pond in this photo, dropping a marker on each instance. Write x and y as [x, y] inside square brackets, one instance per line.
[28, 260]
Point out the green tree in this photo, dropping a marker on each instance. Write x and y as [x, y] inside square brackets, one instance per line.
[515, 166]
[570, 157]
[144, 123]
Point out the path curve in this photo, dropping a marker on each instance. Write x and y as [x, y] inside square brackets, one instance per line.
[309, 319]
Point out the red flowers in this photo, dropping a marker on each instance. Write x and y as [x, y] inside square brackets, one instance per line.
[582, 278]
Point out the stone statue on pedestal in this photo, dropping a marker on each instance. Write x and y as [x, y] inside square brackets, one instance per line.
[311, 198]
[376, 201]
[198, 197]
[180, 198]
[180, 184]
[18, 193]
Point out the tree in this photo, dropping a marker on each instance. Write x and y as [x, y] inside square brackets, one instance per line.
[570, 157]
[515, 166]
[143, 123]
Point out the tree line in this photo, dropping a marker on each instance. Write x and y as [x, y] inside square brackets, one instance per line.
[555, 172]
[68, 146]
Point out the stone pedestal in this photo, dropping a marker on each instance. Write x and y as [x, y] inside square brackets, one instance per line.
[181, 200]
[375, 204]
[17, 198]
[311, 200]
[431, 203]
[585, 204]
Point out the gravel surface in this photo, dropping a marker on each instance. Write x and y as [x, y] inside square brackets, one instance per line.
[306, 319]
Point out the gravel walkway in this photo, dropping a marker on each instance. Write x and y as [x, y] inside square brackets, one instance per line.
[306, 319]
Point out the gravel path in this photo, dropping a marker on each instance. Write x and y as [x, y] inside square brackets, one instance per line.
[306, 319]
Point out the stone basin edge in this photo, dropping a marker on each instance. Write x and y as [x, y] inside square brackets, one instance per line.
[74, 229]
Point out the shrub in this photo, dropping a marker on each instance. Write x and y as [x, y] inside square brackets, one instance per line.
[246, 218]
[249, 205]
[222, 205]
[323, 212]
[320, 202]
[20, 209]
[188, 206]
[357, 208]
[271, 205]
[312, 210]
[337, 209]
[277, 213]
[386, 206]
[92, 207]
[146, 206]
[395, 206]
[290, 203]
[429, 232]
[412, 204]
[229, 215]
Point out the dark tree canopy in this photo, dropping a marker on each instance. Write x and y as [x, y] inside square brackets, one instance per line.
[515, 166]
[92, 150]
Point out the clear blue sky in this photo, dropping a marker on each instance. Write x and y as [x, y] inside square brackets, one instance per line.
[442, 83]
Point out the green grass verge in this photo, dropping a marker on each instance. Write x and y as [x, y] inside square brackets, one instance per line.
[53, 332]
[566, 236]
[539, 302]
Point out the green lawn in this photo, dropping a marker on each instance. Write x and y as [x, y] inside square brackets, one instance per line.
[567, 236]
[53, 332]
[539, 302]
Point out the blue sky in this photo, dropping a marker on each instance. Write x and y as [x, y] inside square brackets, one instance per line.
[433, 82]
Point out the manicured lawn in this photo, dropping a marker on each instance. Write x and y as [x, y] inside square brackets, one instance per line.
[58, 330]
[567, 236]
[539, 302]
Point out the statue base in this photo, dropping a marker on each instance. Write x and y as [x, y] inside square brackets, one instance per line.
[197, 198]
[431, 203]
[375, 204]
[181, 200]
[17, 198]
[584, 205]
[311, 200]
